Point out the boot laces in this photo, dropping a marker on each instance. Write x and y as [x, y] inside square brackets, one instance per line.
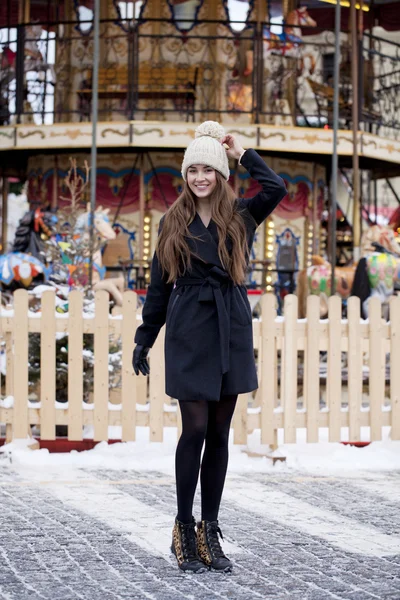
[188, 541]
[213, 540]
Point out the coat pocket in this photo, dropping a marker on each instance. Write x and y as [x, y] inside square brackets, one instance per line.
[244, 307]
[171, 317]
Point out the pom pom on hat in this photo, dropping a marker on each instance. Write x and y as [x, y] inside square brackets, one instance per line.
[211, 128]
[206, 149]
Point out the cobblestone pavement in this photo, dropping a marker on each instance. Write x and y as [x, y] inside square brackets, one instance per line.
[105, 535]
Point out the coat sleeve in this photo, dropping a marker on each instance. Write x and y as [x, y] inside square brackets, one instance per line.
[155, 307]
[273, 187]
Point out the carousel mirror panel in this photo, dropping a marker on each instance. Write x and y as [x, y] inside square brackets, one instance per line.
[184, 13]
[84, 16]
[238, 13]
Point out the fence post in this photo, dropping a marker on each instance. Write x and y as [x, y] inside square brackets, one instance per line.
[75, 366]
[354, 368]
[334, 374]
[129, 390]
[312, 367]
[157, 387]
[290, 372]
[9, 376]
[268, 370]
[376, 370]
[394, 365]
[101, 379]
[240, 420]
[48, 367]
[21, 339]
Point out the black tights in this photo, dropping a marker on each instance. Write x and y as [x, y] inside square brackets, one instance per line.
[209, 422]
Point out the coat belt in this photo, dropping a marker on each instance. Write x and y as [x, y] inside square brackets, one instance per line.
[210, 291]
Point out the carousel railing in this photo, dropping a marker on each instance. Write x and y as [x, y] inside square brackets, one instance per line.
[255, 76]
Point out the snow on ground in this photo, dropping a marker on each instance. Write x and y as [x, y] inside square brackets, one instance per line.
[143, 455]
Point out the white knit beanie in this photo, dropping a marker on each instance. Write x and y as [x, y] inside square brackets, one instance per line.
[206, 149]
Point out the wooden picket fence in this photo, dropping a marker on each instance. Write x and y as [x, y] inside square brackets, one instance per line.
[292, 392]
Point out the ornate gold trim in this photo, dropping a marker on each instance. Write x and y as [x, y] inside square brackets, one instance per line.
[9, 135]
[344, 139]
[189, 132]
[71, 133]
[110, 130]
[389, 147]
[265, 136]
[249, 135]
[23, 135]
[138, 132]
[310, 139]
[369, 143]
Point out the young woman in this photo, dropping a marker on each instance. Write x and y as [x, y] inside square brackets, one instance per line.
[196, 288]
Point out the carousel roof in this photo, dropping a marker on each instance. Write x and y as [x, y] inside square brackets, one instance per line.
[385, 13]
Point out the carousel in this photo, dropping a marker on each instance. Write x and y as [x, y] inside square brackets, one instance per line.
[263, 69]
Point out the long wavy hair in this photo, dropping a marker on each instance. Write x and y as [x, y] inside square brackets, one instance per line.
[172, 248]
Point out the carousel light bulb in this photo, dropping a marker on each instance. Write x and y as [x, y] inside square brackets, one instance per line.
[269, 278]
[269, 288]
[146, 227]
[269, 254]
[271, 224]
[270, 247]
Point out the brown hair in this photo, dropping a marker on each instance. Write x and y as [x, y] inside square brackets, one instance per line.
[172, 248]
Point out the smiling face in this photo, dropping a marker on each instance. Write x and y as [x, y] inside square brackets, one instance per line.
[202, 180]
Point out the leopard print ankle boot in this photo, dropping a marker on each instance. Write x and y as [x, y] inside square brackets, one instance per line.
[209, 547]
[184, 547]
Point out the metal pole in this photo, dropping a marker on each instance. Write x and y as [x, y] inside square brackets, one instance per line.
[356, 172]
[93, 156]
[314, 210]
[4, 214]
[335, 136]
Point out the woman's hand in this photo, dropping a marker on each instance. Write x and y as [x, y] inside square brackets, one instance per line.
[139, 360]
[235, 149]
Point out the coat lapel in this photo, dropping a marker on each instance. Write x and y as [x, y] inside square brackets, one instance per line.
[206, 243]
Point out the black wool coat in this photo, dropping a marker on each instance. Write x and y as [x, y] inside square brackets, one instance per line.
[209, 335]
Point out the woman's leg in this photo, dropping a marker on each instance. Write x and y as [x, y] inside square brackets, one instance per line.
[215, 458]
[188, 453]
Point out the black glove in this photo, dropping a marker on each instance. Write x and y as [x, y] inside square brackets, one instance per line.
[139, 360]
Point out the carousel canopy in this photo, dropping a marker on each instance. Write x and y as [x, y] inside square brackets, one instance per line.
[382, 13]
[385, 13]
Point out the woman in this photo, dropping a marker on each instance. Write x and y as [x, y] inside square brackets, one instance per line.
[196, 288]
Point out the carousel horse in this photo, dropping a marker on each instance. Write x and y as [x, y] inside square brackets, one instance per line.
[104, 232]
[287, 43]
[375, 275]
[378, 271]
[29, 263]
[316, 280]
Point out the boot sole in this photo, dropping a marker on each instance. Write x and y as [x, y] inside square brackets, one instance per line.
[190, 571]
[226, 570]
